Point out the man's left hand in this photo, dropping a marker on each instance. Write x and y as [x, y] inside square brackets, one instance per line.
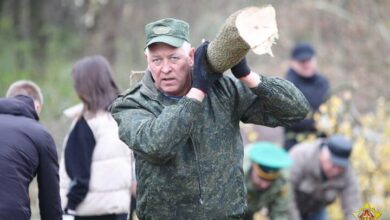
[243, 72]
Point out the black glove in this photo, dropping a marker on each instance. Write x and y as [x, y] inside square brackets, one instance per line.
[201, 78]
[241, 69]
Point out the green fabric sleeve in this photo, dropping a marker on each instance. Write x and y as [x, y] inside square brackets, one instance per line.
[274, 102]
[155, 138]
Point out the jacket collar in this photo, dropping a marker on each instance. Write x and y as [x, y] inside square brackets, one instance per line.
[294, 75]
[148, 88]
[20, 105]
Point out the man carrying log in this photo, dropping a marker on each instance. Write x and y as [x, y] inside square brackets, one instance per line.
[182, 121]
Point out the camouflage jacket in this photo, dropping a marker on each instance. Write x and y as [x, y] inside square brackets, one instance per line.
[189, 154]
[276, 198]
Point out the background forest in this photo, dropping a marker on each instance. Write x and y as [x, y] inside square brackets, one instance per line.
[41, 39]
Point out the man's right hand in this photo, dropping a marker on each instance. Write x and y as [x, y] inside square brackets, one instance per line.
[197, 94]
[201, 79]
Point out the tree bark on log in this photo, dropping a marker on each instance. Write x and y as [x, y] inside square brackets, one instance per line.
[250, 28]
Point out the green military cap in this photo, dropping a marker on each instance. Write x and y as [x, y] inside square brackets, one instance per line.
[169, 30]
[270, 158]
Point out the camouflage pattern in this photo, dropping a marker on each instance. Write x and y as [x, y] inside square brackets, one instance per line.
[189, 154]
[276, 198]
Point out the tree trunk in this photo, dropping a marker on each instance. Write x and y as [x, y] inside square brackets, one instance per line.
[111, 22]
[1, 9]
[38, 36]
[18, 33]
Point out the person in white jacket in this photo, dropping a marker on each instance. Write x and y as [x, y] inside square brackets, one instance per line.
[96, 168]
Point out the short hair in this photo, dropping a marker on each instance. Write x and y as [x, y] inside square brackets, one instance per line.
[94, 83]
[186, 47]
[27, 88]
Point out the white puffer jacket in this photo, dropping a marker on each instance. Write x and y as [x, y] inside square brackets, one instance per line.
[111, 171]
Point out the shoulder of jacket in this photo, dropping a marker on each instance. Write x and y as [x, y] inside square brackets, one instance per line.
[322, 78]
[41, 137]
[36, 130]
[132, 90]
[305, 149]
[102, 120]
[125, 98]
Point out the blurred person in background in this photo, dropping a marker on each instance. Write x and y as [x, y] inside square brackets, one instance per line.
[96, 169]
[133, 204]
[320, 173]
[266, 180]
[303, 73]
[26, 150]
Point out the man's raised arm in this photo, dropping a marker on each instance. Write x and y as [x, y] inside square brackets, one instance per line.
[269, 101]
[154, 137]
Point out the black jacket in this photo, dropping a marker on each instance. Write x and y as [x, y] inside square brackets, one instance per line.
[316, 91]
[26, 150]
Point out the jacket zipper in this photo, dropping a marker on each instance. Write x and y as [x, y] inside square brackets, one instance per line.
[199, 175]
[197, 166]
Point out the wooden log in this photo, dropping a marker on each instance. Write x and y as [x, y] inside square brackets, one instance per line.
[250, 28]
[135, 77]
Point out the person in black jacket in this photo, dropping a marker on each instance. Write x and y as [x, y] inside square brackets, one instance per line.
[304, 75]
[26, 150]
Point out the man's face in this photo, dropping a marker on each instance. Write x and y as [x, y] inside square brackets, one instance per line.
[170, 68]
[305, 68]
[258, 182]
[331, 170]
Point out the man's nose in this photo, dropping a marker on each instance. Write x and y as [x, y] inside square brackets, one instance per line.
[166, 67]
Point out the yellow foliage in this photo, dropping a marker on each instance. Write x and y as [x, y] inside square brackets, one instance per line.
[370, 133]
[335, 211]
[252, 136]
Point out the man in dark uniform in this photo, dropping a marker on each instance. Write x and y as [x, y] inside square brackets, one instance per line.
[304, 75]
[266, 183]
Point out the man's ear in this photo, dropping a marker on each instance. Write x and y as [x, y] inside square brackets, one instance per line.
[38, 107]
[146, 57]
[293, 64]
[192, 55]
